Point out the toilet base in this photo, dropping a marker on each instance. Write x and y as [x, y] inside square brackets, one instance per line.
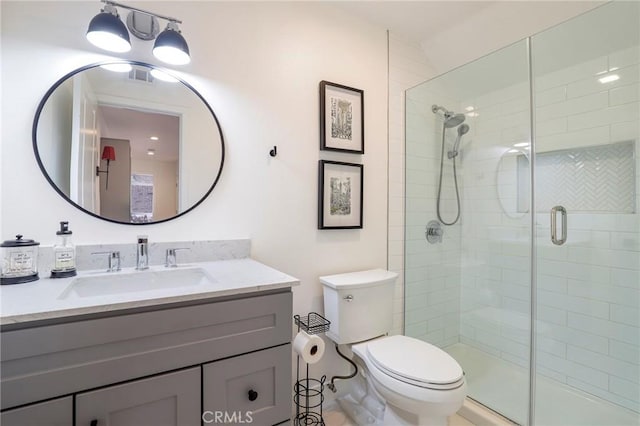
[365, 407]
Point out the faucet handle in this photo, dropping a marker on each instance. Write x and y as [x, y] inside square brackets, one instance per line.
[171, 260]
[114, 259]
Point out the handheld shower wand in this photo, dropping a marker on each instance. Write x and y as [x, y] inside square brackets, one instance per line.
[462, 130]
[451, 119]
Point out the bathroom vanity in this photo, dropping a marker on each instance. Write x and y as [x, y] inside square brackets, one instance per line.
[166, 356]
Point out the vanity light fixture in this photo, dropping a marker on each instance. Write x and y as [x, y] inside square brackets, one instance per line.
[108, 32]
[109, 154]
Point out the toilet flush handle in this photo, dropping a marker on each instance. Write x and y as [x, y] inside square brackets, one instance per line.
[348, 298]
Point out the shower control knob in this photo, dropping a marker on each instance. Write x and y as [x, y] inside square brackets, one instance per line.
[348, 298]
[434, 232]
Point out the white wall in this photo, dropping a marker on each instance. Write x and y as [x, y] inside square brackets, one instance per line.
[55, 122]
[258, 65]
[115, 202]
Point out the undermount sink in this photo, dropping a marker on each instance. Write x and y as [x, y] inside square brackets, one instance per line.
[136, 282]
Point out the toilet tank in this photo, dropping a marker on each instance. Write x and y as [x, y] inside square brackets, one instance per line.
[359, 304]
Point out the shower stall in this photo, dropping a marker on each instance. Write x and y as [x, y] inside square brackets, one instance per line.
[522, 225]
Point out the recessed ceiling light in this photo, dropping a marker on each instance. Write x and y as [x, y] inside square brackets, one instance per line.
[151, 152]
[609, 78]
[154, 138]
[521, 144]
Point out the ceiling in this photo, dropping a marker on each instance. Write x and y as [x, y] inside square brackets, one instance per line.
[417, 20]
[452, 33]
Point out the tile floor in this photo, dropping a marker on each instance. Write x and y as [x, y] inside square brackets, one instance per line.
[335, 417]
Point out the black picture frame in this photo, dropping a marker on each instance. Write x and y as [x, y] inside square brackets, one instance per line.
[340, 201]
[341, 118]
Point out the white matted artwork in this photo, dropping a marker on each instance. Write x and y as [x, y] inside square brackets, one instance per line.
[340, 195]
[141, 198]
[341, 118]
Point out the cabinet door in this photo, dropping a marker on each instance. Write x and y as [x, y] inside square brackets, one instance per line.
[58, 412]
[251, 388]
[171, 399]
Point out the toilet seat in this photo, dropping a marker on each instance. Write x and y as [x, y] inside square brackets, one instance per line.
[415, 362]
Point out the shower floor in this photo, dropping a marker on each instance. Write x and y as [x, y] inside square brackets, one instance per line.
[503, 386]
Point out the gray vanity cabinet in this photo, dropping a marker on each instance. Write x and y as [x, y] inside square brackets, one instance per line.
[254, 387]
[149, 365]
[57, 412]
[171, 399]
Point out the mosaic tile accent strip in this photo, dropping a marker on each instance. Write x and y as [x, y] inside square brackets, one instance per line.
[591, 179]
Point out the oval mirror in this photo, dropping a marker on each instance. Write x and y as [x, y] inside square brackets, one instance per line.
[128, 143]
[512, 183]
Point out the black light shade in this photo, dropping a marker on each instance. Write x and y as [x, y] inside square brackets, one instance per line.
[108, 32]
[171, 47]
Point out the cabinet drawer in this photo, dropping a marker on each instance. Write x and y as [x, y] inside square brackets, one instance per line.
[58, 412]
[44, 362]
[255, 387]
[171, 399]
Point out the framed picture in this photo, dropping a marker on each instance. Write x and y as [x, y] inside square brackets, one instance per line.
[341, 118]
[339, 195]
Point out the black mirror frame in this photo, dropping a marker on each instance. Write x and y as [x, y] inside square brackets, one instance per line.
[34, 133]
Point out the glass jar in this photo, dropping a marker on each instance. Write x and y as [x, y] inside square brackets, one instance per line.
[19, 261]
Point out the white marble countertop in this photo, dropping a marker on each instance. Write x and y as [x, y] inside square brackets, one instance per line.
[50, 298]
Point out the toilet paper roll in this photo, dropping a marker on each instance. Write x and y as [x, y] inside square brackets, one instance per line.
[309, 347]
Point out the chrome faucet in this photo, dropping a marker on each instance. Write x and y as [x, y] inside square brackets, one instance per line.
[142, 253]
[114, 260]
[171, 260]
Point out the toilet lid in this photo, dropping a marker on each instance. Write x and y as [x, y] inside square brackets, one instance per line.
[414, 360]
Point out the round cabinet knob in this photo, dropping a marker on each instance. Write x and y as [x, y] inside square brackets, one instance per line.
[253, 395]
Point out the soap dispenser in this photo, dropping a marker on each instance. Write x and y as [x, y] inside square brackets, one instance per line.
[64, 254]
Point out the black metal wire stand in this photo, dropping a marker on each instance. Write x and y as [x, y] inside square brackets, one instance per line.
[308, 392]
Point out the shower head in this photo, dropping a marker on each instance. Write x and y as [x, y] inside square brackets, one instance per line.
[451, 119]
[462, 130]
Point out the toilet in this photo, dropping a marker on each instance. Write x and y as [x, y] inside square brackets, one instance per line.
[418, 383]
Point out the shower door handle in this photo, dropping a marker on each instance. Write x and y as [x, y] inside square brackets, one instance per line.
[554, 225]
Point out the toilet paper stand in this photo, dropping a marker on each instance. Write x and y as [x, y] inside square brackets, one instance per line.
[307, 392]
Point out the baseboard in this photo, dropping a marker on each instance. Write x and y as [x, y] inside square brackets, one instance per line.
[480, 415]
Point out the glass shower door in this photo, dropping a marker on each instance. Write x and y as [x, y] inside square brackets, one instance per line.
[587, 226]
[468, 285]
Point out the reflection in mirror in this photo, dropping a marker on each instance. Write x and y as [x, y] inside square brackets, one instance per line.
[128, 147]
[513, 182]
